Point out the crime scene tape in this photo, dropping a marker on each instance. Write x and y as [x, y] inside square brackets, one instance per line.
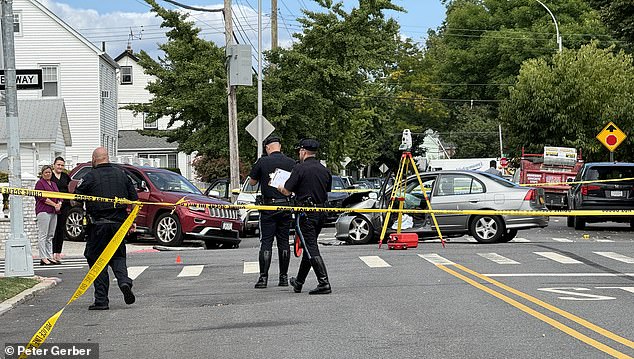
[185, 203]
[574, 182]
[45, 330]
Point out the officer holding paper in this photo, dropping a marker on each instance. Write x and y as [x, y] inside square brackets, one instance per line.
[273, 224]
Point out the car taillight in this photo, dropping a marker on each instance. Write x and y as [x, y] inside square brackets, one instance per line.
[586, 188]
[531, 195]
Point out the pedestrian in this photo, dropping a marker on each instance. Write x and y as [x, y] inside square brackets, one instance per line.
[46, 210]
[104, 219]
[61, 179]
[273, 224]
[310, 181]
[493, 169]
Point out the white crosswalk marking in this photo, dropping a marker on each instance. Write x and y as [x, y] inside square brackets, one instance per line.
[191, 271]
[520, 240]
[605, 240]
[499, 259]
[616, 257]
[562, 239]
[374, 261]
[434, 258]
[560, 258]
[134, 272]
[251, 267]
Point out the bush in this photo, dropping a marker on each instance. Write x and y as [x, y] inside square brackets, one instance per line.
[209, 168]
[4, 177]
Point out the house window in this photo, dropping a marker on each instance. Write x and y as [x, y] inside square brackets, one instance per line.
[105, 94]
[17, 24]
[153, 125]
[126, 75]
[168, 160]
[50, 81]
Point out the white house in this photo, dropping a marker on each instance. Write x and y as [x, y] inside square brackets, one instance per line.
[132, 83]
[74, 70]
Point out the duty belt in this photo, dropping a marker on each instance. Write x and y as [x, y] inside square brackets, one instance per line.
[276, 201]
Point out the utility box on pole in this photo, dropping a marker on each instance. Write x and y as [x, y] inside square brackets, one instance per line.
[240, 65]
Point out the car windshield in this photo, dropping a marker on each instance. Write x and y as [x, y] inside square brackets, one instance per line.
[171, 182]
[503, 181]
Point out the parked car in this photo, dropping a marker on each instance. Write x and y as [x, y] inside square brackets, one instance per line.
[220, 188]
[602, 195]
[450, 190]
[217, 227]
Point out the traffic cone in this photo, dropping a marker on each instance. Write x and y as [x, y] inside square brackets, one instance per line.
[178, 260]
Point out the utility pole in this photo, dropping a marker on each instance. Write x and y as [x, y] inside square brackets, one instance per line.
[273, 24]
[260, 139]
[232, 111]
[19, 259]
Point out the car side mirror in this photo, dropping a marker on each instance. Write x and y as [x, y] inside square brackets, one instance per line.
[213, 193]
[143, 186]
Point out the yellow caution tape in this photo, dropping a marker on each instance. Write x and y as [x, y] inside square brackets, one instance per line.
[574, 182]
[46, 329]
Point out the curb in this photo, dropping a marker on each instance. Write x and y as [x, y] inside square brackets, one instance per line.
[44, 284]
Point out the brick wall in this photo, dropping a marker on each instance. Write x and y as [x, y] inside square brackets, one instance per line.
[28, 213]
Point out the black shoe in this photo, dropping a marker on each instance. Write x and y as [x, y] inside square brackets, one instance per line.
[42, 263]
[262, 282]
[321, 289]
[128, 296]
[283, 280]
[98, 307]
[297, 285]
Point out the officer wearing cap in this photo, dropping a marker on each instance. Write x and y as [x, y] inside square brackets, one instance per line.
[273, 224]
[310, 181]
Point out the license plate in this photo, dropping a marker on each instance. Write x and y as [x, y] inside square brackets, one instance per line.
[616, 193]
[227, 226]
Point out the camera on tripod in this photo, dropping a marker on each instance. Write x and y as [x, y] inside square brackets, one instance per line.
[406, 141]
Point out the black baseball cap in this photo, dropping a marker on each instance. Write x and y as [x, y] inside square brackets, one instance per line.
[272, 139]
[308, 144]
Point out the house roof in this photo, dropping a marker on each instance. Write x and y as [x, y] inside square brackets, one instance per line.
[39, 121]
[74, 32]
[127, 53]
[133, 140]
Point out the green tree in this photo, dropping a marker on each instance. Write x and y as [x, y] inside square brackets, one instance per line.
[618, 15]
[567, 101]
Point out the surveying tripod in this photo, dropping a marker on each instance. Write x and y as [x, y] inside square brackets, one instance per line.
[398, 191]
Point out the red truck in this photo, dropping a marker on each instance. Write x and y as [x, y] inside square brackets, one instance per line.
[555, 165]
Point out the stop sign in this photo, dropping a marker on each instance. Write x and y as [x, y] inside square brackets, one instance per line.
[504, 162]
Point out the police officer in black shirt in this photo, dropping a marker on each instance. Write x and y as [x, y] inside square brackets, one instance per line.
[273, 224]
[105, 219]
[310, 181]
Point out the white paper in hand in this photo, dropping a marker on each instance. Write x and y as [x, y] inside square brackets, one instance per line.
[279, 177]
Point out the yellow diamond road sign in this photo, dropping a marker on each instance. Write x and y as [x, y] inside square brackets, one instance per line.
[611, 136]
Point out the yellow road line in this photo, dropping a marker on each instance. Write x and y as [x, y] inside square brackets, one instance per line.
[552, 308]
[564, 328]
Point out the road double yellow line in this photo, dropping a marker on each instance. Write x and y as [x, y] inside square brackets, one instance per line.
[551, 321]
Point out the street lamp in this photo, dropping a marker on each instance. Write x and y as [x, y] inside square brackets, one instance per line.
[555, 21]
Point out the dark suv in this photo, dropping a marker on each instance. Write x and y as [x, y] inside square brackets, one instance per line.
[217, 227]
[602, 195]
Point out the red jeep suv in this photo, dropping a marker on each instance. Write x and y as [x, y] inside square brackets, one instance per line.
[217, 227]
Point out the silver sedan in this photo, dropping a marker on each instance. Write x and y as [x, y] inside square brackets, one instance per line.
[450, 190]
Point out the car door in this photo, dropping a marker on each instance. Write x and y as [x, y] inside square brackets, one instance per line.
[414, 199]
[457, 192]
[143, 191]
[222, 187]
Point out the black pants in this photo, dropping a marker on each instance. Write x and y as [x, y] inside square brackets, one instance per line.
[99, 235]
[60, 230]
[274, 224]
[310, 223]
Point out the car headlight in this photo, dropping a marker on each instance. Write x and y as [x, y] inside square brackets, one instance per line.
[197, 209]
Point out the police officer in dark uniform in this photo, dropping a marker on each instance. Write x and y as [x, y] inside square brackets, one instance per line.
[310, 181]
[273, 224]
[105, 219]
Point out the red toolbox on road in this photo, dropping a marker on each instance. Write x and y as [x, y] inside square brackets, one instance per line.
[402, 241]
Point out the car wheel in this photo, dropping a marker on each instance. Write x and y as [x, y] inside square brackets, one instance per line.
[570, 221]
[167, 230]
[580, 223]
[360, 231]
[508, 236]
[487, 229]
[74, 227]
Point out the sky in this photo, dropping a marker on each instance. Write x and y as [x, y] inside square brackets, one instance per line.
[123, 22]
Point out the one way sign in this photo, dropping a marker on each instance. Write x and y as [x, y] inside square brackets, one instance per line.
[25, 79]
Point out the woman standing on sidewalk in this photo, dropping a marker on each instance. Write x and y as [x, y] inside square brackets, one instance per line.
[46, 210]
[61, 179]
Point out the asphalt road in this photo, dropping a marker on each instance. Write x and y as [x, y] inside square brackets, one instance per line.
[550, 293]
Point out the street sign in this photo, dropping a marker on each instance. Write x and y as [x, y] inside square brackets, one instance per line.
[383, 168]
[25, 79]
[504, 162]
[267, 128]
[611, 136]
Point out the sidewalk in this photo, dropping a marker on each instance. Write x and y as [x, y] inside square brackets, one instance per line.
[76, 249]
